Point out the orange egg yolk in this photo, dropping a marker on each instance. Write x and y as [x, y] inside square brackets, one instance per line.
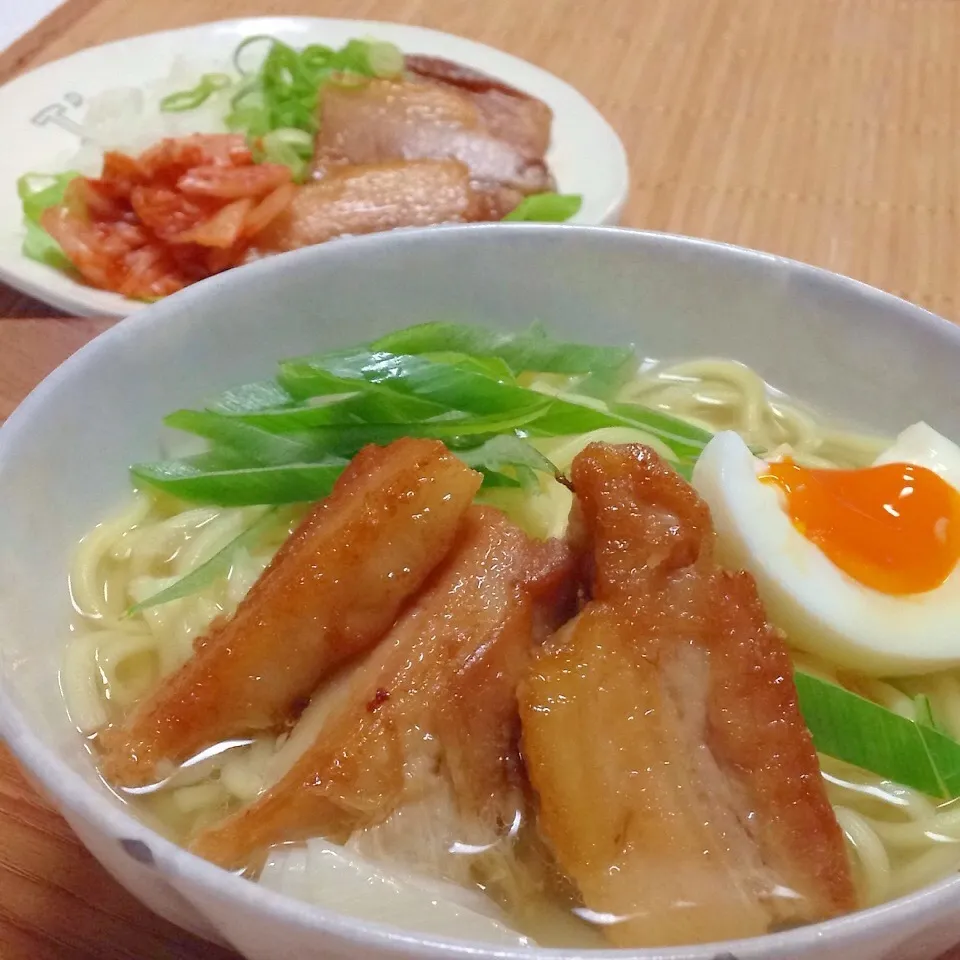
[894, 528]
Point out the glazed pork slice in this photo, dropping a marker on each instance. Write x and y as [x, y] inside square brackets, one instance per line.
[429, 728]
[414, 119]
[508, 113]
[371, 198]
[331, 592]
[671, 697]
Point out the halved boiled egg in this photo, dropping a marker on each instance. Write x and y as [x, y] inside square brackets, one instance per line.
[861, 567]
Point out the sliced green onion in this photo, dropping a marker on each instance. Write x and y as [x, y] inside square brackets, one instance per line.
[494, 479]
[259, 447]
[293, 113]
[216, 481]
[38, 192]
[298, 431]
[303, 439]
[205, 574]
[459, 387]
[384, 59]
[40, 246]
[282, 92]
[251, 120]
[290, 146]
[246, 44]
[282, 71]
[507, 451]
[353, 58]
[250, 397]
[456, 386]
[546, 208]
[851, 728]
[316, 57]
[381, 407]
[675, 431]
[290, 137]
[182, 100]
[529, 351]
[492, 367]
[241, 486]
[924, 713]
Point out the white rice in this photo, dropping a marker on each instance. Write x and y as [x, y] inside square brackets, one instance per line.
[130, 119]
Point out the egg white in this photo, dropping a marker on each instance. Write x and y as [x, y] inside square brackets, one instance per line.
[822, 609]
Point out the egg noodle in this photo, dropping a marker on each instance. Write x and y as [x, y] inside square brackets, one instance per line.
[898, 839]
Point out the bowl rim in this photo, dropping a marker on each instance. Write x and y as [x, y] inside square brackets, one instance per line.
[70, 792]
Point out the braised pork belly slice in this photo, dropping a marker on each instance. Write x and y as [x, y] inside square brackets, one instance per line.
[415, 119]
[428, 731]
[678, 785]
[508, 113]
[370, 198]
[331, 592]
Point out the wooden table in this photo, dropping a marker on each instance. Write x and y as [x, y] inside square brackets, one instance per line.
[826, 130]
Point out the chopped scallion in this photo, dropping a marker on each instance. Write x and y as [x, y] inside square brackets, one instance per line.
[284, 440]
[203, 575]
[546, 208]
[528, 351]
[182, 100]
[38, 192]
[851, 728]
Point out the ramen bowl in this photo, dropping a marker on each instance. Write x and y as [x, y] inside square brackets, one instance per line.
[859, 354]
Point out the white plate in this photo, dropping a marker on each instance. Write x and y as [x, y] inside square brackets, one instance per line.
[39, 113]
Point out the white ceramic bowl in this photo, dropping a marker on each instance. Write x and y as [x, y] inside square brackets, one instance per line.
[844, 347]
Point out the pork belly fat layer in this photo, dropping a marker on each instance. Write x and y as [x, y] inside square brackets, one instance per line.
[508, 113]
[329, 594]
[672, 698]
[432, 715]
[386, 120]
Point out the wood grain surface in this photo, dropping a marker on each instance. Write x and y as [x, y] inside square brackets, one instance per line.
[825, 130]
